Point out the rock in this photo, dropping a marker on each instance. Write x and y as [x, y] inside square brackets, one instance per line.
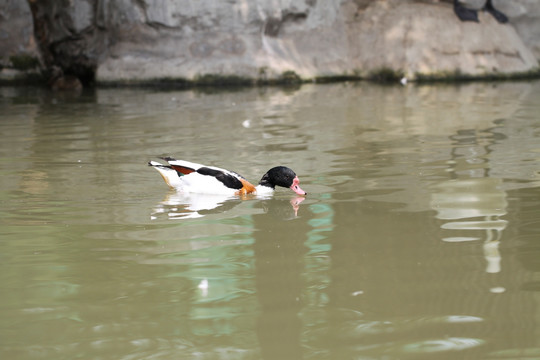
[473, 4]
[58, 81]
[313, 40]
[68, 36]
[19, 52]
[131, 41]
[525, 18]
[429, 40]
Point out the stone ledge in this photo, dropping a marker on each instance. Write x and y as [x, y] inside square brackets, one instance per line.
[263, 43]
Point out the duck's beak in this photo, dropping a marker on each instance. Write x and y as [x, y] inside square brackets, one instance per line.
[296, 188]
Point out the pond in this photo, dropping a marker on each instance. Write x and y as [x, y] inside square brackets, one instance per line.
[419, 236]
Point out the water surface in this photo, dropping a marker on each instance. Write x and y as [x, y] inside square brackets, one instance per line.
[419, 237]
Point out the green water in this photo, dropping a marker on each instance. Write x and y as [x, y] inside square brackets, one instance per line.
[419, 237]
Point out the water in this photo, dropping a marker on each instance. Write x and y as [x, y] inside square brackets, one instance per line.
[419, 237]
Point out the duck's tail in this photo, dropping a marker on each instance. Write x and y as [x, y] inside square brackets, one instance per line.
[169, 174]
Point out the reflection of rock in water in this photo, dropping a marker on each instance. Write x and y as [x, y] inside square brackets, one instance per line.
[478, 203]
[527, 230]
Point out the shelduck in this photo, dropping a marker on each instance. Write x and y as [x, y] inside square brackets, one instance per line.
[196, 178]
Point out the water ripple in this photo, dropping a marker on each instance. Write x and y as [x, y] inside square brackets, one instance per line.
[442, 345]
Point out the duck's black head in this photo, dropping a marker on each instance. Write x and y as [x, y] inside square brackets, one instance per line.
[282, 176]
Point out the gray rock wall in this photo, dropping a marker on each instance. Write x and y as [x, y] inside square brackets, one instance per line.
[18, 49]
[525, 18]
[423, 38]
[148, 40]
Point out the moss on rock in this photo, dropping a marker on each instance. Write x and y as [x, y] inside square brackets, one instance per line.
[24, 62]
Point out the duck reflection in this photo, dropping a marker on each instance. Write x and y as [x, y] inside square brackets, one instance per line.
[279, 250]
[282, 209]
[179, 205]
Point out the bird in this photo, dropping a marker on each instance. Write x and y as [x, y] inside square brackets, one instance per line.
[191, 177]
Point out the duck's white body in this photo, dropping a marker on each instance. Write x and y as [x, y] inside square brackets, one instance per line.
[191, 177]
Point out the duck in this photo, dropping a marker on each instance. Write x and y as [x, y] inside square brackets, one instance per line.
[191, 177]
